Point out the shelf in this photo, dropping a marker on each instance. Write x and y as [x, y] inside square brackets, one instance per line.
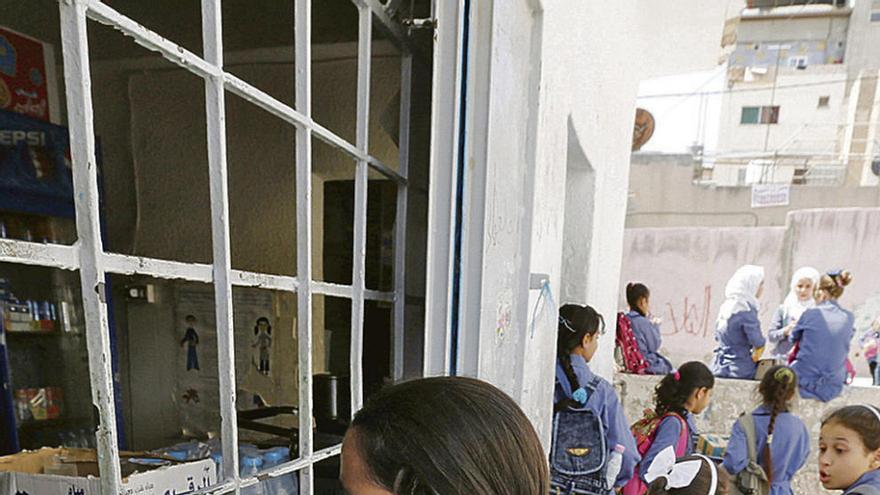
[52, 423]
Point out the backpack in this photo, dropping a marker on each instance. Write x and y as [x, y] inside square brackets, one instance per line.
[753, 479]
[578, 454]
[644, 431]
[626, 352]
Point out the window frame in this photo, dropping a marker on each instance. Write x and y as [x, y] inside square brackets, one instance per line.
[94, 263]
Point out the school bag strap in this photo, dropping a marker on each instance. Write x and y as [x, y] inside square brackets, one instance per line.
[747, 421]
[865, 490]
[683, 437]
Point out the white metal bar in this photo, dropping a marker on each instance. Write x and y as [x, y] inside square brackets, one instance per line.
[376, 295]
[302, 13]
[77, 80]
[332, 290]
[182, 57]
[358, 276]
[445, 117]
[150, 40]
[31, 253]
[400, 219]
[264, 281]
[279, 470]
[171, 270]
[275, 107]
[215, 109]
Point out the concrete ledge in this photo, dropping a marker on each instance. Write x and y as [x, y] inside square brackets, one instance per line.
[733, 397]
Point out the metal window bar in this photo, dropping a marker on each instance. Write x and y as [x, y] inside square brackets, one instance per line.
[77, 80]
[360, 207]
[88, 256]
[400, 219]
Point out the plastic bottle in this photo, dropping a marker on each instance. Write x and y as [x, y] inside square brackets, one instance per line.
[282, 485]
[612, 468]
[250, 466]
[217, 457]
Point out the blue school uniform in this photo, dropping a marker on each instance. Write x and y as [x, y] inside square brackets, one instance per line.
[667, 435]
[648, 339]
[776, 336]
[733, 356]
[605, 404]
[824, 333]
[869, 479]
[789, 448]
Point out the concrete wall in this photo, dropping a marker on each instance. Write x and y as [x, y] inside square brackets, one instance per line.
[688, 268]
[731, 398]
[663, 194]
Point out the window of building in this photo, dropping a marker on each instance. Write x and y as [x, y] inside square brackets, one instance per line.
[760, 115]
[824, 101]
[750, 115]
[875, 11]
[798, 62]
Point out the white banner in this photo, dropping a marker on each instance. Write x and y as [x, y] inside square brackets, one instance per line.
[765, 195]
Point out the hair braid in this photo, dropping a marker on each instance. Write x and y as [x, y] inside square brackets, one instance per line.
[777, 389]
[565, 360]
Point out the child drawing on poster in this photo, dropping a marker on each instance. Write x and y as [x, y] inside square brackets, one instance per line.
[191, 340]
[263, 332]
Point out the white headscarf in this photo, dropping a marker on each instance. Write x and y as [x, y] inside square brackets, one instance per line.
[740, 293]
[792, 306]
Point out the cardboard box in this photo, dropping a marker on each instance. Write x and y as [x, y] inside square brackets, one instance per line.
[74, 472]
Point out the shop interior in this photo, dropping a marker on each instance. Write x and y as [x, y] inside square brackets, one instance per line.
[154, 199]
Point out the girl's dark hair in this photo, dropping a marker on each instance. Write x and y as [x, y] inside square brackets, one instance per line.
[777, 390]
[634, 292]
[701, 484]
[575, 323]
[435, 435]
[860, 419]
[675, 388]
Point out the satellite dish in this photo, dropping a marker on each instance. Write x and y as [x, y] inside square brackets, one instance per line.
[875, 166]
[643, 129]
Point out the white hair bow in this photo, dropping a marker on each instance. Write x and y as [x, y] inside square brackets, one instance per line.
[681, 474]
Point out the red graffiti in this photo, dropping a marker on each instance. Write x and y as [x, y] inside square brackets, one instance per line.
[694, 318]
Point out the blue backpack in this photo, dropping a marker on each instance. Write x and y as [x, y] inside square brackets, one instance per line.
[578, 454]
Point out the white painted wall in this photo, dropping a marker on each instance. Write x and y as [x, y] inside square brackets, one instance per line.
[862, 40]
[802, 127]
[546, 78]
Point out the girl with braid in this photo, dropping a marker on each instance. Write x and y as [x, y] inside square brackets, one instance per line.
[781, 439]
[680, 395]
[576, 385]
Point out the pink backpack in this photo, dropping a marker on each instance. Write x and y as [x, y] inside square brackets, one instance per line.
[644, 431]
[627, 353]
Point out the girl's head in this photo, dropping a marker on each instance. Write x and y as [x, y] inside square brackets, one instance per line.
[803, 283]
[434, 435]
[778, 387]
[579, 330]
[849, 445]
[708, 476]
[777, 390]
[688, 389]
[746, 283]
[831, 285]
[638, 298]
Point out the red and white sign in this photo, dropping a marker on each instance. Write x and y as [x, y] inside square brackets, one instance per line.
[26, 79]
